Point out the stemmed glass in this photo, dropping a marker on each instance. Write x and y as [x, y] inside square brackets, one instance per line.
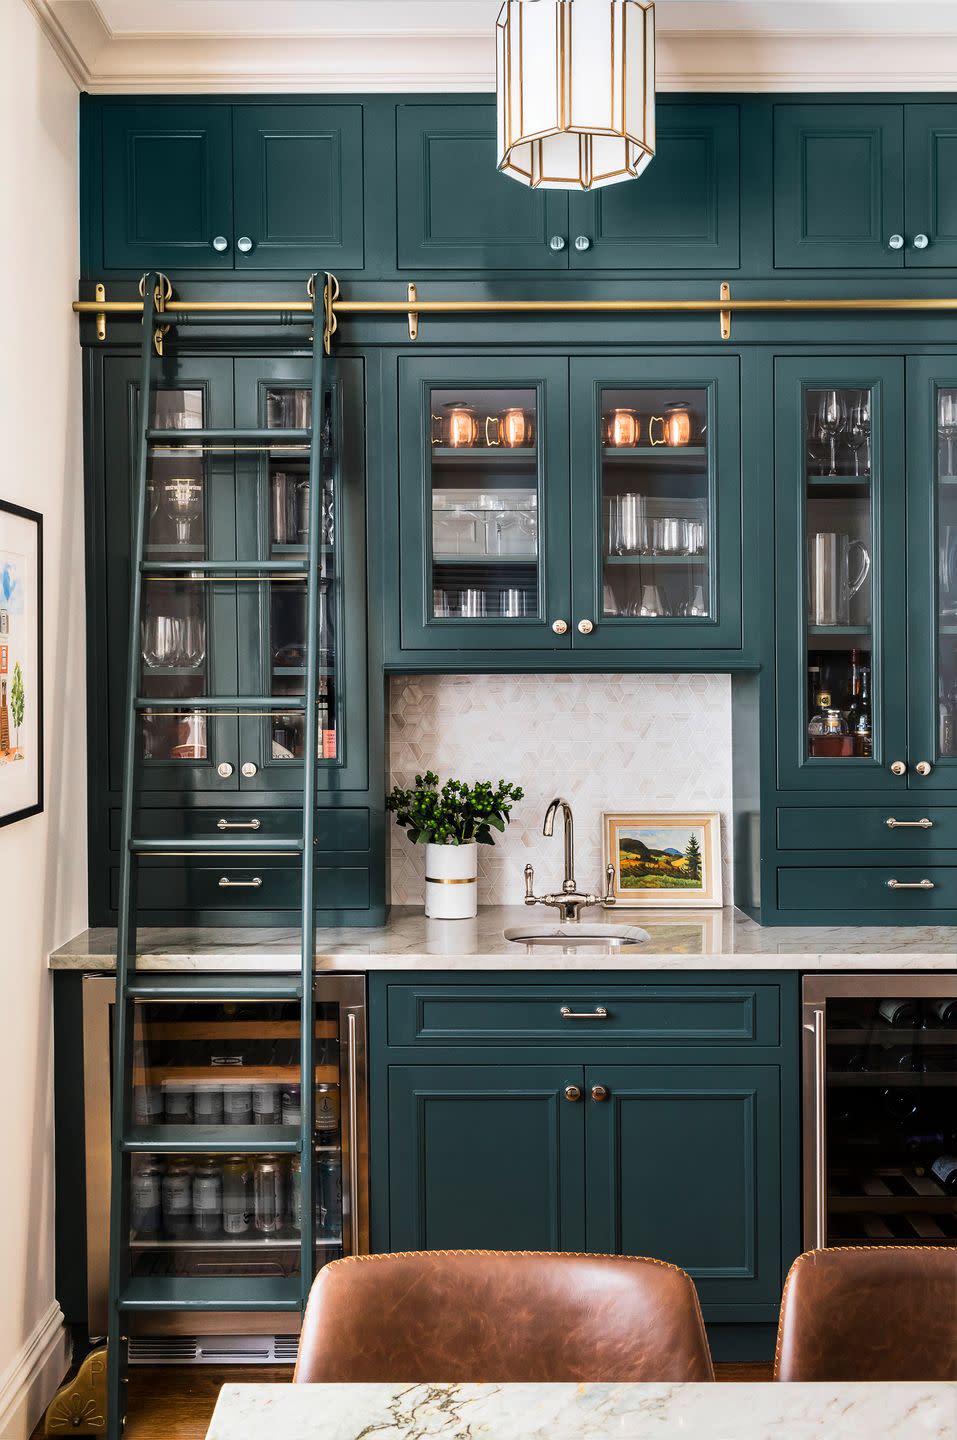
[184, 502]
[859, 431]
[831, 419]
[947, 423]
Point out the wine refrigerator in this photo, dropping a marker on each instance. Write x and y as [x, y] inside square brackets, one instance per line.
[880, 1109]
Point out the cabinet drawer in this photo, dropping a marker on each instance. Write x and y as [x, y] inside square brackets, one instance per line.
[854, 887]
[865, 827]
[337, 830]
[665, 1015]
[175, 886]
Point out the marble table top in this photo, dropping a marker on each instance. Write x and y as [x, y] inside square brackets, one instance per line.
[586, 1412]
[679, 940]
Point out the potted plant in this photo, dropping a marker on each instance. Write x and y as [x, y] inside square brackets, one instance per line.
[451, 823]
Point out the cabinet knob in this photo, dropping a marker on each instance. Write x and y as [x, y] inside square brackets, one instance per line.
[249, 769]
[560, 627]
[573, 1092]
[585, 627]
[220, 243]
[244, 244]
[921, 242]
[898, 767]
[923, 767]
[599, 1092]
[557, 242]
[224, 770]
[896, 242]
[582, 242]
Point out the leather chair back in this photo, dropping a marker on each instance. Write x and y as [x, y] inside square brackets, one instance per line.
[881, 1312]
[480, 1315]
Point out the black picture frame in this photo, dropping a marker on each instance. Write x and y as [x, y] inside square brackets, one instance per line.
[31, 517]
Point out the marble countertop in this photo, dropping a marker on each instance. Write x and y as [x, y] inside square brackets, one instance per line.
[586, 1412]
[679, 940]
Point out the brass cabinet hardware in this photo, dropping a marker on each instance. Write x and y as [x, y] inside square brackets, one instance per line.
[585, 627]
[923, 767]
[724, 319]
[599, 1013]
[924, 824]
[599, 1092]
[101, 314]
[573, 1092]
[239, 824]
[910, 885]
[898, 767]
[226, 884]
[560, 627]
[414, 319]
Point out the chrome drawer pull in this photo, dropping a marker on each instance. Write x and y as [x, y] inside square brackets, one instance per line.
[258, 824]
[599, 1013]
[226, 884]
[924, 824]
[910, 885]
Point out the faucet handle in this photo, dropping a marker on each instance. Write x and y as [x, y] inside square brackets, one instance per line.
[608, 898]
[530, 885]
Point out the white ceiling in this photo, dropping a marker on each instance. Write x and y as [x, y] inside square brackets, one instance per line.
[341, 45]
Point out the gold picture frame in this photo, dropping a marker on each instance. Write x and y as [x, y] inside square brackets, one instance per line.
[664, 860]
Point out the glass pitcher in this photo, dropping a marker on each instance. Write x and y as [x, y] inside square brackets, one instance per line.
[830, 587]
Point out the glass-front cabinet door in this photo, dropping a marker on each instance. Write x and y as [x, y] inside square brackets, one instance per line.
[932, 570]
[484, 503]
[656, 503]
[840, 564]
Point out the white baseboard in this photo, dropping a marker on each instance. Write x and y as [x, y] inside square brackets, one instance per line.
[30, 1380]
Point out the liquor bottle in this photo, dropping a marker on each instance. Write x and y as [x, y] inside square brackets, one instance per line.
[859, 704]
[899, 1012]
[944, 1171]
[813, 682]
[946, 724]
[817, 724]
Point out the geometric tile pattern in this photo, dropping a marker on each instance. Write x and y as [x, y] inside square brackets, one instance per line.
[605, 742]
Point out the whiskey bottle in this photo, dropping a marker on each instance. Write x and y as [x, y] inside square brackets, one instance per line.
[860, 724]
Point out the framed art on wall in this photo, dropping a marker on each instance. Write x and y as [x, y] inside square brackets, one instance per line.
[664, 859]
[21, 663]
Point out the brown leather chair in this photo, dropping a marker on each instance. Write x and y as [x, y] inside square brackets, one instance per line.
[473, 1315]
[860, 1312]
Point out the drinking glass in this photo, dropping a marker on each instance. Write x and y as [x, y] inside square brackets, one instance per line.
[671, 536]
[947, 423]
[161, 642]
[652, 602]
[696, 541]
[609, 601]
[696, 606]
[280, 491]
[472, 603]
[440, 604]
[859, 431]
[184, 502]
[629, 524]
[832, 418]
[513, 602]
[192, 630]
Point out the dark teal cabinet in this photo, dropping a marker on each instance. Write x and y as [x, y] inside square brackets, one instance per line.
[298, 187]
[930, 184]
[168, 200]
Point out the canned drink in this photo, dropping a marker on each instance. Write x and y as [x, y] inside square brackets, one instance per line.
[177, 1102]
[177, 1192]
[147, 1104]
[266, 1107]
[291, 1105]
[207, 1199]
[269, 1194]
[146, 1196]
[295, 1193]
[329, 1195]
[327, 1114]
[237, 1216]
[237, 1104]
[207, 1103]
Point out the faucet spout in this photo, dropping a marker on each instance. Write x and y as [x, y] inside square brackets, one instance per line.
[548, 829]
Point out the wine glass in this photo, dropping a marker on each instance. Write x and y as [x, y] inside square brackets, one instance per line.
[831, 419]
[859, 430]
[947, 423]
[184, 502]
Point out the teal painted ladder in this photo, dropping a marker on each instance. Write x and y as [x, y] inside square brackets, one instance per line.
[130, 1294]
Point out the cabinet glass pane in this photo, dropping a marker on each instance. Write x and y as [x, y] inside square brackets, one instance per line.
[485, 504]
[891, 1068]
[174, 630]
[656, 504]
[947, 572]
[839, 547]
[290, 408]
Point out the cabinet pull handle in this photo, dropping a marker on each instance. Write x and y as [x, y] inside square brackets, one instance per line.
[254, 824]
[556, 243]
[226, 884]
[599, 1013]
[244, 244]
[560, 627]
[923, 767]
[924, 824]
[352, 1071]
[910, 885]
[818, 1120]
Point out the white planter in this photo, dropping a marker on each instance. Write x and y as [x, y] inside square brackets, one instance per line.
[451, 883]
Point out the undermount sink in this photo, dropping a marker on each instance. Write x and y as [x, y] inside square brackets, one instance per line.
[602, 937]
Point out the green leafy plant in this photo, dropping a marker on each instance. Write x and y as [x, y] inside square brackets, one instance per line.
[455, 815]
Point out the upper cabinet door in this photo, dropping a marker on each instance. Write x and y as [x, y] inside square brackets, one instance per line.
[931, 185]
[682, 213]
[167, 198]
[838, 187]
[456, 211]
[298, 187]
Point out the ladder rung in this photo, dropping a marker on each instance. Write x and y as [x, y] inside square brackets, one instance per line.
[216, 1292]
[214, 1139]
[221, 702]
[215, 847]
[222, 567]
[178, 438]
[172, 985]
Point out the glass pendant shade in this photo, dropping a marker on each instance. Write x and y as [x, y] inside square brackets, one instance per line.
[576, 91]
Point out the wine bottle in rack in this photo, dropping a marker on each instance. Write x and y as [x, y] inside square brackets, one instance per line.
[945, 1011]
[899, 1012]
[944, 1171]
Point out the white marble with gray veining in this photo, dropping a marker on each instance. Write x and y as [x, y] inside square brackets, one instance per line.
[680, 940]
[586, 1412]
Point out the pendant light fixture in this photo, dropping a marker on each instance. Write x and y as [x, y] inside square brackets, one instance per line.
[575, 83]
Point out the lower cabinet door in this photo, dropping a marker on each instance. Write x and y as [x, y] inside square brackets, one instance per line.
[684, 1164]
[486, 1157]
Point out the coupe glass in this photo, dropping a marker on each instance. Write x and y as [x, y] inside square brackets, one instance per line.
[832, 419]
[184, 503]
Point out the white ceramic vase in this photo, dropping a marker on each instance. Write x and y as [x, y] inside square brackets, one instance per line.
[451, 881]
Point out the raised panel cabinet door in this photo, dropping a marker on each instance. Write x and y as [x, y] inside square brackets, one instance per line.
[298, 187]
[167, 191]
[682, 213]
[838, 186]
[930, 180]
[684, 1165]
[486, 1157]
[456, 211]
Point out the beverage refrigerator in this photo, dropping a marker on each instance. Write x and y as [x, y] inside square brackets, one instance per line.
[211, 1062]
[880, 1109]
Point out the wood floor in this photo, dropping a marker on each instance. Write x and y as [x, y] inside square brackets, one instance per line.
[176, 1402]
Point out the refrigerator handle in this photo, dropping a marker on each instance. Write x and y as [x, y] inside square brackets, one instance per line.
[353, 1079]
[816, 1028]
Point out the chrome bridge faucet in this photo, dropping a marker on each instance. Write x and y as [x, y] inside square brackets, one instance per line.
[570, 902]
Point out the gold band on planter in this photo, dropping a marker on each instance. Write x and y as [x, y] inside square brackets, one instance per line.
[467, 880]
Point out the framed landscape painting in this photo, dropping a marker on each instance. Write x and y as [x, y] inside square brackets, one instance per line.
[21, 663]
[664, 860]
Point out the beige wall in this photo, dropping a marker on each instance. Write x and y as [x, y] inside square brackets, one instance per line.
[42, 859]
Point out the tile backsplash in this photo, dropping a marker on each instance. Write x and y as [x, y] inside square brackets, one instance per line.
[605, 742]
